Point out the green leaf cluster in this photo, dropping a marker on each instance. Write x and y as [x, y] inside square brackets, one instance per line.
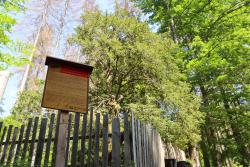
[8, 9]
[213, 37]
[136, 65]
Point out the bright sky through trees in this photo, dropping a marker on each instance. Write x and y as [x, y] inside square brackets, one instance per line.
[13, 86]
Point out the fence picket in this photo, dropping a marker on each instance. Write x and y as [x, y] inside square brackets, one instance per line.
[6, 143]
[142, 145]
[105, 141]
[55, 139]
[48, 144]
[75, 140]
[127, 152]
[2, 138]
[133, 138]
[90, 138]
[40, 143]
[1, 125]
[12, 147]
[116, 159]
[32, 144]
[19, 143]
[97, 127]
[82, 154]
[68, 139]
[26, 141]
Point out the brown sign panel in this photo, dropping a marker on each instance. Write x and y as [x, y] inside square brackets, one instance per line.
[66, 86]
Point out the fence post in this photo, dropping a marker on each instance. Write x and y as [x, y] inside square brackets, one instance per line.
[62, 134]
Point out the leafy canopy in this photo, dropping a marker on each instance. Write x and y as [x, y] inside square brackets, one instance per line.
[137, 68]
[214, 41]
[7, 11]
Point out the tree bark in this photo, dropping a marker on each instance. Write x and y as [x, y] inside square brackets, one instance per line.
[205, 152]
[236, 133]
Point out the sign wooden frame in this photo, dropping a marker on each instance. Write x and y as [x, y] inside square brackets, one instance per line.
[66, 86]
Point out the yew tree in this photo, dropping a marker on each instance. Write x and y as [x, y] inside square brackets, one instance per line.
[135, 67]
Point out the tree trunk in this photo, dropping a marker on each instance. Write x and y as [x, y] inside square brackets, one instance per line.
[205, 152]
[210, 133]
[236, 133]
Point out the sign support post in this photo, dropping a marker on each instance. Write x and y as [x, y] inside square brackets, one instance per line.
[62, 139]
[66, 89]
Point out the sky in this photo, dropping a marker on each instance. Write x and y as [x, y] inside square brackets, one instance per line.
[12, 88]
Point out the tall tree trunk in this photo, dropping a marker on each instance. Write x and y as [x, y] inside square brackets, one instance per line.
[27, 71]
[210, 133]
[194, 156]
[204, 150]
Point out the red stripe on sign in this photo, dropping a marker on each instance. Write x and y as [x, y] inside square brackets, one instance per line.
[74, 71]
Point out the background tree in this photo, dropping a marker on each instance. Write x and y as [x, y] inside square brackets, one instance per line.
[7, 11]
[50, 22]
[134, 69]
[213, 37]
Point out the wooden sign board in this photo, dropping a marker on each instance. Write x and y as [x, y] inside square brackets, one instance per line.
[66, 86]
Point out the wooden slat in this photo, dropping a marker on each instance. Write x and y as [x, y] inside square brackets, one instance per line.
[127, 152]
[158, 148]
[6, 143]
[26, 141]
[75, 140]
[48, 144]
[68, 139]
[145, 145]
[154, 148]
[116, 159]
[151, 146]
[19, 143]
[83, 138]
[148, 147]
[135, 144]
[55, 139]
[12, 147]
[97, 139]
[142, 145]
[32, 144]
[2, 138]
[105, 141]
[139, 143]
[90, 138]
[39, 150]
[134, 140]
[1, 125]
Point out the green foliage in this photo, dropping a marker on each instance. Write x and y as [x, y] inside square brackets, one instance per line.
[7, 11]
[29, 102]
[136, 66]
[213, 37]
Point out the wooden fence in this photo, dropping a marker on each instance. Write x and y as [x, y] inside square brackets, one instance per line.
[148, 149]
[93, 140]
